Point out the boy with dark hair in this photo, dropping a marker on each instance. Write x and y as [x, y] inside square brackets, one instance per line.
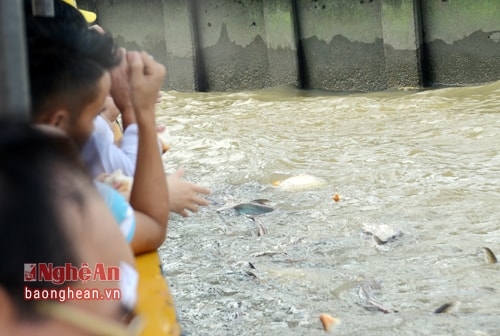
[69, 68]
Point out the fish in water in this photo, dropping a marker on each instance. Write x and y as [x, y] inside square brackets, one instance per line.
[450, 307]
[260, 225]
[252, 208]
[382, 233]
[365, 292]
[300, 182]
[489, 256]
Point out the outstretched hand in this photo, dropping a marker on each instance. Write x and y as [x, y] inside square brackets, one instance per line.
[184, 195]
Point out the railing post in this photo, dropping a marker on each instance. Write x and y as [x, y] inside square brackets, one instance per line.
[14, 86]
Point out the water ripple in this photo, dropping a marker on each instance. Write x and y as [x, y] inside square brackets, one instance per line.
[425, 162]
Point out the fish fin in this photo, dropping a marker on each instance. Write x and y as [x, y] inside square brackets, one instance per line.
[448, 307]
[489, 256]
[261, 201]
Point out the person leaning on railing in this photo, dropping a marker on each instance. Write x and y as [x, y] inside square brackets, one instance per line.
[69, 72]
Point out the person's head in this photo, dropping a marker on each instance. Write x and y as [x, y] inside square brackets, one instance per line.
[50, 213]
[68, 70]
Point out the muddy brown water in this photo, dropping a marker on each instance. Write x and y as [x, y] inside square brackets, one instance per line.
[425, 162]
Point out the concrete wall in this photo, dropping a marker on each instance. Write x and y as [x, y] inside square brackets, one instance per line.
[402, 43]
[462, 41]
[340, 45]
[180, 46]
[246, 44]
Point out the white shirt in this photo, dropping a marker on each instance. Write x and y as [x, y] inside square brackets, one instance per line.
[101, 155]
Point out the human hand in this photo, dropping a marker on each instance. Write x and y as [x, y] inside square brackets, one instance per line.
[184, 195]
[146, 77]
[120, 89]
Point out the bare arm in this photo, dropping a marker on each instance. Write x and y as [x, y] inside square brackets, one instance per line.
[183, 195]
[148, 235]
[149, 193]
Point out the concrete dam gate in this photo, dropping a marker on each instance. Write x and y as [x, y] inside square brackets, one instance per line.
[337, 45]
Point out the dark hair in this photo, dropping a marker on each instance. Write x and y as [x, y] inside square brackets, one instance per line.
[66, 59]
[62, 12]
[38, 178]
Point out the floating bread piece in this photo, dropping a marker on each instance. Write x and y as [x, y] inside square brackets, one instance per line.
[336, 197]
[164, 146]
[328, 321]
[164, 138]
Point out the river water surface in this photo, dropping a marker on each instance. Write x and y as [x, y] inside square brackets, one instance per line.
[424, 162]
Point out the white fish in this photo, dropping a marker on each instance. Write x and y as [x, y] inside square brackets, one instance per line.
[382, 233]
[300, 182]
